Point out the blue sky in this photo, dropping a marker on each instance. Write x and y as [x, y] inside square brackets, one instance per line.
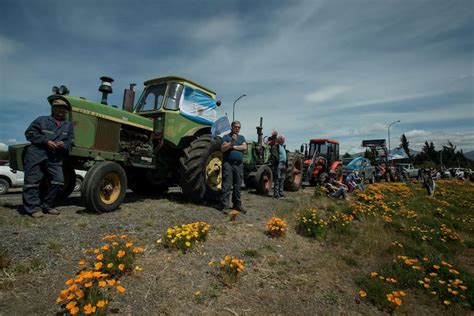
[339, 69]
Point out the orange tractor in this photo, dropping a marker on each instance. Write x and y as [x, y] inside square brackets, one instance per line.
[321, 155]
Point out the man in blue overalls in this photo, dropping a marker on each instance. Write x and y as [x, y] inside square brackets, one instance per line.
[51, 138]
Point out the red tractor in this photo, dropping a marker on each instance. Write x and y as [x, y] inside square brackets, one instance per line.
[321, 155]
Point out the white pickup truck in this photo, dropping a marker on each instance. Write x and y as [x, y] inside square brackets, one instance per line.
[410, 169]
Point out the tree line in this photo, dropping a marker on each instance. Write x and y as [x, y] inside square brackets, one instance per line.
[447, 156]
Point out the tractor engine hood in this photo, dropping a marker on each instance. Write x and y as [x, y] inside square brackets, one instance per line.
[84, 106]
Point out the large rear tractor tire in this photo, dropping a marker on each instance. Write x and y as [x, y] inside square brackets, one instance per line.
[146, 183]
[104, 187]
[294, 175]
[201, 169]
[263, 180]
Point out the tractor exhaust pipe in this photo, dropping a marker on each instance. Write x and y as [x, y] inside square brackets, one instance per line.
[105, 88]
[128, 98]
[259, 133]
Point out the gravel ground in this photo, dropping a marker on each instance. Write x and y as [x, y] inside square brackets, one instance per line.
[294, 275]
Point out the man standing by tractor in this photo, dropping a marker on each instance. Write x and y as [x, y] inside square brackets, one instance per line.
[279, 164]
[51, 139]
[233, 147]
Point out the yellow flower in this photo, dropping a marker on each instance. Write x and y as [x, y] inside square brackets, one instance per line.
[61, 297]
[82, 262]
[102, 283]
[80, 294]
[98, 265]
[121, 267]
[74, 310]
[120, 289]
[71, 304]
[188, 244]
[436, 266]
[89, 309]
[111, 282]
[120, 254]
[129, 244]
[138, 268]
[398, 301]
[101, 303]
[446, 302]
[138, 250]
[88, 284]
[362, 293]
[100, 257]
[110, 265]
[373, 274]
[105, 247]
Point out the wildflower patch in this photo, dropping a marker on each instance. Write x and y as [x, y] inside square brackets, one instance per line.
[185, 236]
[276, 227]
[310, 224]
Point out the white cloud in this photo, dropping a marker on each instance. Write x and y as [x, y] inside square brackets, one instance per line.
[417, 133]
[3, 147]
[7, 46]
[325, 94]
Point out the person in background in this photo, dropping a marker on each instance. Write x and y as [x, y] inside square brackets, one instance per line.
[51, 139]
[279, 164]
[272, 139]
[233, 147]
[335, 188]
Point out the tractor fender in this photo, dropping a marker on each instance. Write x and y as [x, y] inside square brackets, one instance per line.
[193, 134]
[335, 164]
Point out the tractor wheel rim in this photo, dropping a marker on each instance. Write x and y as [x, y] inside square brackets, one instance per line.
[110, 188]
[214, 171]
[297, 175]
[266, 182]
[3, 187]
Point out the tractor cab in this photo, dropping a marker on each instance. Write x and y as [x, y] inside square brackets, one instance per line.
[320, 156]
[176, 103]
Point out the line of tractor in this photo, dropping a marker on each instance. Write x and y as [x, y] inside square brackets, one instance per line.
[162, 140]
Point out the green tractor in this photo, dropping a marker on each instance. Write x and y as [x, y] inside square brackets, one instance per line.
[257, 169]
[162, 140]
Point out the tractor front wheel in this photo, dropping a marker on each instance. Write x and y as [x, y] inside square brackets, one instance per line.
[294, 175]
[104, 187]
[263, 180]
[201, 169]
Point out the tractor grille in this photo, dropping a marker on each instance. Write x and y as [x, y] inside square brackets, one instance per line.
[107, 135]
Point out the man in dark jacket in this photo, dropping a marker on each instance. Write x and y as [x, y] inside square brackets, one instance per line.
[279, 164]
[51, 139]
[233, 147]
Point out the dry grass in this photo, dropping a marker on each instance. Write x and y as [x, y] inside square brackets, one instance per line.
[290, 275]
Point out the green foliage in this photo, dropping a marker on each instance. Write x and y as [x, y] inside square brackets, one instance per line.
[309, 223]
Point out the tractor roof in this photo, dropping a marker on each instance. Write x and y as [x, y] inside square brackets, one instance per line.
[322, 140]
[178, 79]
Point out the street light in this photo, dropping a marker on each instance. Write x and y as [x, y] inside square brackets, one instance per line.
[398, 121]
[233, 106]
